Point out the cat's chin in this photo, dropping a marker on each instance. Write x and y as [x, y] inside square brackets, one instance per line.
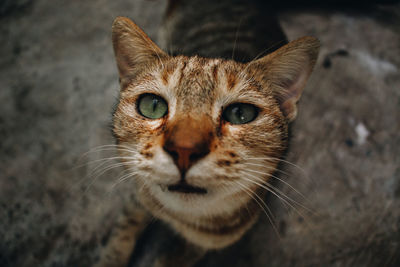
[203, 219]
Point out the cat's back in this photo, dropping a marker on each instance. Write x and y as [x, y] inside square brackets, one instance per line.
[240, 30]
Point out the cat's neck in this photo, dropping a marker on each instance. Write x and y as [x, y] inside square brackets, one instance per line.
[241, 30]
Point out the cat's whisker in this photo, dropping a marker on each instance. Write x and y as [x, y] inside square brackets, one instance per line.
[114, 145]
[112, 149]
[264, 186]
[91, 175]
[103, 167]
[236, 38]
[271, 218]
[101, 171]
[86, 188]
[116, 149]
[290, 199]
[104, 160]
[259, 179]
[96, 176]
[279, 160]
[114, 185]
[125, 177]
[97, 148]
[266, 167]
[281, 180]
[303, 175]
[106, 147]
[276, 192]
[306, 218]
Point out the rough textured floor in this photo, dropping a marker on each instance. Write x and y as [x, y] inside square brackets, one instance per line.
[58, 84]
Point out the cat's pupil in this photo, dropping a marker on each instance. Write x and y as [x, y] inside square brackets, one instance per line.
[152, 106]
[155, 103]
[239, 113]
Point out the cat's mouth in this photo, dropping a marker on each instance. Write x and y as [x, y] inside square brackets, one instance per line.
[183, 187]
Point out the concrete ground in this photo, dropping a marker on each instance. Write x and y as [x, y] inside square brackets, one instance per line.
[59, 82]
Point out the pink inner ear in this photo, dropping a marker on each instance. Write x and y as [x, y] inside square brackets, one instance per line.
[287, 71]
[291, 95]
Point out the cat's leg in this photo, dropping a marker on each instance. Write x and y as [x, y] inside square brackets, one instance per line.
[122, 240]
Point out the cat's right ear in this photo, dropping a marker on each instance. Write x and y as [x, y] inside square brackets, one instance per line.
[133, 49]
[286, 71]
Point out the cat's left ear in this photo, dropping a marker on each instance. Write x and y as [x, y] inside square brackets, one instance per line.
[286, 72]
[133, 49]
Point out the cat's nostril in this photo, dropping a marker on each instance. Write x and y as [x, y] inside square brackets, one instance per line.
[198, 155]
[174, 154]
[194, 157]
[171, 151]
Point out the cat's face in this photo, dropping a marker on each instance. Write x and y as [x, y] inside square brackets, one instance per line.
[198, 153]
[202, 136]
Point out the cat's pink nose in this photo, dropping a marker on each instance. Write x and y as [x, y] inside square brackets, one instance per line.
[186, 146]
[185, 157]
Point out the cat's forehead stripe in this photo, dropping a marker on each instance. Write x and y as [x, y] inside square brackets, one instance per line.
[181, 71]
[168, 71]
[200, 74]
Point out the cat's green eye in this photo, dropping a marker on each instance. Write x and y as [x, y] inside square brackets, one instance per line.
[240, 113]
[152, 106]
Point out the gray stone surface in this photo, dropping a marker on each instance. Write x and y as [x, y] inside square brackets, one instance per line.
[58, 84]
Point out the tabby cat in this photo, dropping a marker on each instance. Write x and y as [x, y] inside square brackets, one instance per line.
[202, 134]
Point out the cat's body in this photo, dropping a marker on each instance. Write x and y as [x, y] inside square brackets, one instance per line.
[204, 162]
[239, 30]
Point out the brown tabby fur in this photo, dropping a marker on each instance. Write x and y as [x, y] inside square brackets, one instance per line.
[238, 160]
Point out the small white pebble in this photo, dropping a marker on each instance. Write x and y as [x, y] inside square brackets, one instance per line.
[376, 65]
[362, 133]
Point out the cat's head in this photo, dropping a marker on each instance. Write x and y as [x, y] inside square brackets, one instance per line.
[202, 136]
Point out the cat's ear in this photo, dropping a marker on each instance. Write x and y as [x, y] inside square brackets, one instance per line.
[286, 72]
[133, 49]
